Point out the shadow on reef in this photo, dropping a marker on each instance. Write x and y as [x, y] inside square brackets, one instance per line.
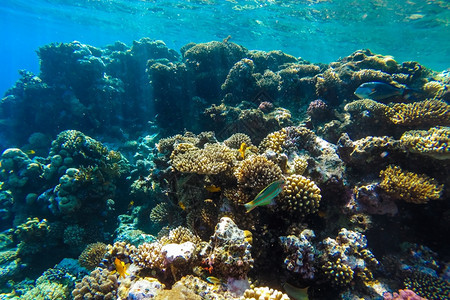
[360, 208]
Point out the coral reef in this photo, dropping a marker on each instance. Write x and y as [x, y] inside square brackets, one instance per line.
[419, 114]
[427, 286]
[408, 186]
[99, 284]
[433, 142]
[264, 293]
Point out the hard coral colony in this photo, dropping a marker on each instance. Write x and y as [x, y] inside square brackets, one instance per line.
[359, 188]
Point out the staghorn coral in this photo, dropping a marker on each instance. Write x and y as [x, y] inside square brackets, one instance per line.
[235, 141]
[263, 293]
[300, 196]
[427, 286]
[256, 172]
[423, 113]
[408, 186]
[92, 255]
[346, 258]
[213, 159]
[100, 284]
[433, 142]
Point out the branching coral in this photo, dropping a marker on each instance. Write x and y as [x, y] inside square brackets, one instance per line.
[235, 141]
[428, 112]
[213, 159]
[256, 172]
[434, 142]
[180, 235]
[408, 186]
[167, 145]
[300, 196]
[160, 213]
[92, 255]
[263, 293]
[148, 255]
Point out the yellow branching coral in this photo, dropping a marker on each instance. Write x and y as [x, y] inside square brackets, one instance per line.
[338, 273]
[274, 141]
[213, 159]
[434, 142]
[433, 89]
[257, 172]
[300, 196]
[92, 255]
[263, 293]
[428, 112]
[299, 165]
[408, 186]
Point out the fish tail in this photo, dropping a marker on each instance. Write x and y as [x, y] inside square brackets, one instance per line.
[249, 206]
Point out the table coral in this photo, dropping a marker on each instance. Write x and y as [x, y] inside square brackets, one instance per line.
[408, 186]
[433, 142]
[300, 196]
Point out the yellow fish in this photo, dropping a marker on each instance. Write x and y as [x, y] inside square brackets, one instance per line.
[213, 280]
[182, 205]
[213, 188]
[242, 150]
[30, 152]
[121, 268]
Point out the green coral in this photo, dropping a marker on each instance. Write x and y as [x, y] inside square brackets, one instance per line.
[408, 186]
[427, 286]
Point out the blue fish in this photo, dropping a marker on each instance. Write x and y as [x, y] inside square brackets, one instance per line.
[265, 197]
[378, 91]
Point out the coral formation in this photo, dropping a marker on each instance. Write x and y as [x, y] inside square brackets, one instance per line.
[423, 113]
[99, 284]
[300, 196]
[264, 293]
[408, 186]
[427, 286]
[92, 255]
[257, 172]
[433, 142]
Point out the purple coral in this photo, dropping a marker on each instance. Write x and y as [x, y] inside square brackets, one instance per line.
[318, 111]
[402, 295]
[300, 252]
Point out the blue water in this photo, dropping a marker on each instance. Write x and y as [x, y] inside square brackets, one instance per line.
[316, 30]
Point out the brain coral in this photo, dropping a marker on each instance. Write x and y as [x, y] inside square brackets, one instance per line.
[434, 142]
[409, 186]
[92, 255]
[428, 112]
[257, 172]
[300, 196]
[100, 284]
[213, 159]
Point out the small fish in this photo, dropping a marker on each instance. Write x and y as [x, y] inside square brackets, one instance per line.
[30, 152]
[212, 188]
[265, 197]
[182, 205]
[378, 91]
[121, 268]
[213, 280]
[131, 204]
[295, 292]
[242, 150]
